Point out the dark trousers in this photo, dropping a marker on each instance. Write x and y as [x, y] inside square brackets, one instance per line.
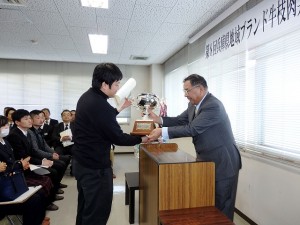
[95, 191]
[226, 194]
[66, 159]
[60, 167]
[61, 150]
[55, 177]
[32, 210]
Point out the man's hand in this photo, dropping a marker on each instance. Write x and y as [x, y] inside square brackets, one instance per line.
[55, 156]
[155, 134]
[154, 117]
[126, 104]
[66, 138]
[46, 162]
[2, 166]
[25, 163]
[145, 139]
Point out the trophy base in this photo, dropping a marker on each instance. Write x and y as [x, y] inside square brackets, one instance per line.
[142, 127]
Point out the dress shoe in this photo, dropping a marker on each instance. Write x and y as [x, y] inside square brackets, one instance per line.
[52, 207]
[58, 197]
[62, 185]
[59, 191]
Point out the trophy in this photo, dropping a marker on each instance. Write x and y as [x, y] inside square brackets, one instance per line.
[144, 102]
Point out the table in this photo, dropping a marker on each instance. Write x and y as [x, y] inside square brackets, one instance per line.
[131, 185]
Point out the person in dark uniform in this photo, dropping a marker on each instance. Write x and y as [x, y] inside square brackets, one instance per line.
[96, 129]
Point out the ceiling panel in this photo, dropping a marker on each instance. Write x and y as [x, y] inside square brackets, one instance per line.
[115, 28]
[60, 41]
[48, 22]
[57, 30]
[42, 5]
[117, 9]
[80, 34]
[148, 18]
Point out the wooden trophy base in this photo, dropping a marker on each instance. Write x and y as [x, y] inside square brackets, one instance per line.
[142, 127]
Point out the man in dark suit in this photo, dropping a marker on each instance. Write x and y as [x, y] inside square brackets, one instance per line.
[48, 120]
[63, 144]
[48, 126]
[206, 121]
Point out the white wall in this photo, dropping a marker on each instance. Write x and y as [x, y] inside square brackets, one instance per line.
[269, 192]
[75, 79]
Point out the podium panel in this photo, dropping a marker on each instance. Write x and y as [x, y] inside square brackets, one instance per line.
[172, 179]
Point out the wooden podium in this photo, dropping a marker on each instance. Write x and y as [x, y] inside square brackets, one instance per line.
[172, 179]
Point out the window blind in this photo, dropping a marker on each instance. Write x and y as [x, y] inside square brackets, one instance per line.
[259, 89]
[57, 92]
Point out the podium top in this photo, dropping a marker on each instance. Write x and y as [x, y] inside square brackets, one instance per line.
[166, 153]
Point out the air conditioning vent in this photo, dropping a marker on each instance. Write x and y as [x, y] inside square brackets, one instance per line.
[134, 57]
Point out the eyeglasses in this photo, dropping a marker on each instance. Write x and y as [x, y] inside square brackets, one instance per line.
[186, 92]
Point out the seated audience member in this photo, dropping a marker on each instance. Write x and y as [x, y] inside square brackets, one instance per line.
[58, 140]
[48, 120]
[20, 140]
[4, 109]
[73, 114]
[46, 131]
[41, 148]
[33, 209]
[48, 126]
[8, 113]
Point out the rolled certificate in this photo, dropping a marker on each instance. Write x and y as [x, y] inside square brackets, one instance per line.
[125, 90]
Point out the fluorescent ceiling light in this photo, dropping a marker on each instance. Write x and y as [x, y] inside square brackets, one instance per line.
[98, 43]
[95, 3]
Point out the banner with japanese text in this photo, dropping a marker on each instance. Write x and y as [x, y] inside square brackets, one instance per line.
[266, 21]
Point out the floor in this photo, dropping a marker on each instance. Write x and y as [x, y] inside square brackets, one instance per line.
[66, 214]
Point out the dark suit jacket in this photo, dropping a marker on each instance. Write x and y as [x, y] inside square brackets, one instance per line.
[22, 147]
[47, 131]
[7, 155]
[55, 139]
[212, 135]
[53, 122]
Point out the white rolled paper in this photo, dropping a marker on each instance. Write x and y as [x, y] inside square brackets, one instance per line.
[125, 90]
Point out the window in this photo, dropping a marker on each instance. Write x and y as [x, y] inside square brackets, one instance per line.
[173, 91]
[260, 91]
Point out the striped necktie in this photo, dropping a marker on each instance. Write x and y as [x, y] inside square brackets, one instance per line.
[195, 112]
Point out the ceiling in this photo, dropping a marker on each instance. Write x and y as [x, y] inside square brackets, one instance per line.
[57, 30]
